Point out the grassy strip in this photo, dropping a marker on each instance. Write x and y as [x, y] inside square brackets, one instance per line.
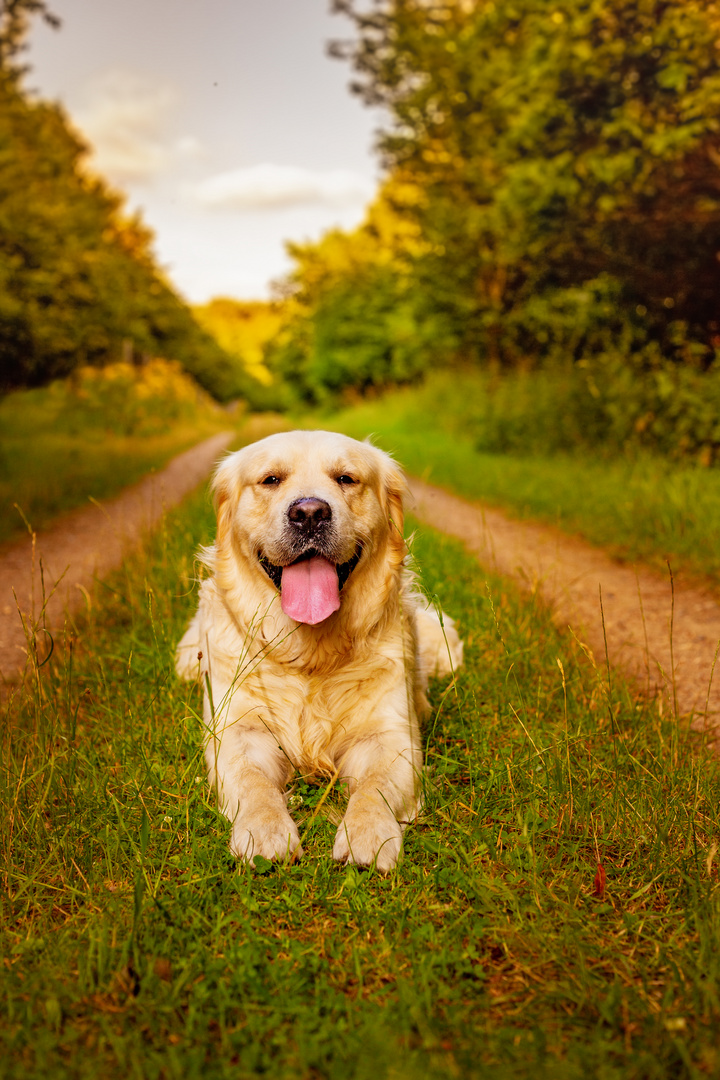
[56, 473]
[88, 438]
[640, 507]
[135, 948]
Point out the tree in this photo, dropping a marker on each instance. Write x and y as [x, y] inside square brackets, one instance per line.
[242, 328]
[556, 145]
[15, 17]
[352, 314]
[78, 278]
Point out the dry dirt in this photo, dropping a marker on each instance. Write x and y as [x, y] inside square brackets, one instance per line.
[638, 607]
[570, 575]
[86, 544]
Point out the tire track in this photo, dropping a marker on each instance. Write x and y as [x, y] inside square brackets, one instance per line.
[64, 561]
[571, 576]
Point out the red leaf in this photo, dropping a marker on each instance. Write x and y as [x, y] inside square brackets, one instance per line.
[600, 881]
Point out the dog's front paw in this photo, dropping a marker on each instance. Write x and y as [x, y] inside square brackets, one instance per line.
[270, 834]
[369, 833]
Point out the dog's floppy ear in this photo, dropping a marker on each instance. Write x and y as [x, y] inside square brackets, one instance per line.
[225, 489]
[394, 490]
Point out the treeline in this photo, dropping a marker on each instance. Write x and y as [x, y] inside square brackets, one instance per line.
[79, 284]
[553, 198]
[243, 329]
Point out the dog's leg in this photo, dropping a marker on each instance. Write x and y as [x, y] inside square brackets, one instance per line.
[382, 774]
[439, 648]
[250, 773]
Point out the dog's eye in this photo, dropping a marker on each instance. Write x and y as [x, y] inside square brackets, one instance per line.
[272, 479]
[345, 479]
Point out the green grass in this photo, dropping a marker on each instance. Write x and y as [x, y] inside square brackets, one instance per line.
[133, 946]
[64, 445]
[639, 507]
[56, 473]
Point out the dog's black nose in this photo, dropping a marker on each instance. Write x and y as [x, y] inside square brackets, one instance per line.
[307, 514]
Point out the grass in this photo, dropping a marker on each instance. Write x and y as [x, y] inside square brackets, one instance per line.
[134, 947]
[88, 437]
[639, 507]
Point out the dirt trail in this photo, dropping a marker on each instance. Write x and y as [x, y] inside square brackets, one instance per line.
[569, 575]
[86, 544]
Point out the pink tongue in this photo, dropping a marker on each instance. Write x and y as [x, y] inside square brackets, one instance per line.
[309, 590]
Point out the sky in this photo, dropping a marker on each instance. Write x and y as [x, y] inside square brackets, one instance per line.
[223, 121]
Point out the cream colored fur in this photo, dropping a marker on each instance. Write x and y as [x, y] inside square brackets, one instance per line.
[342, 698]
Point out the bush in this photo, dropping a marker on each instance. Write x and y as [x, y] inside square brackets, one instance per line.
[603, 403]
[120, 399]
[649, 401]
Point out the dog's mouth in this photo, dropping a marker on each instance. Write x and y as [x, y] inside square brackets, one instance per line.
[310, 586]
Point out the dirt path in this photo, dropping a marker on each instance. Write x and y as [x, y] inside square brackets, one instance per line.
[570, 575]
[85, 544]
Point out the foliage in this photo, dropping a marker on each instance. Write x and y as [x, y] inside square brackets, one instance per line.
[126, 400]
[78, 281]
[563, 165]
[517, 442]
[352, 318]
[15, 17]
[135, 948]
[556, 145]
[243, 329]
[611, 404]
[88, 436]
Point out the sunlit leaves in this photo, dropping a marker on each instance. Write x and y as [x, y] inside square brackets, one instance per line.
[553, 143]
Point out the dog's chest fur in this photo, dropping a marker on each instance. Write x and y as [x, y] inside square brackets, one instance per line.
[305, 697]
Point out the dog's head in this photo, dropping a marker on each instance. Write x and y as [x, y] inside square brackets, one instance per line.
[309, 514]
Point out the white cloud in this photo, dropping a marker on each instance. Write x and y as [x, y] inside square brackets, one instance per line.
[189, 147]
[272, 187]
[125, 120]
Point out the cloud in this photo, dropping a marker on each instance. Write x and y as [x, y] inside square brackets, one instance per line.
[125, 120]
[189, 147]
[272, 187]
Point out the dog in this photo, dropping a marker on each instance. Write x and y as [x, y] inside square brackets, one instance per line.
[313, 644]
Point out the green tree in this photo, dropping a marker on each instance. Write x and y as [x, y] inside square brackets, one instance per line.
[352, 319]
[78, 279]
[556, 145]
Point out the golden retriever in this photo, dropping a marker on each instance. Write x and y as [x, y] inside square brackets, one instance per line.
[314, 647]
